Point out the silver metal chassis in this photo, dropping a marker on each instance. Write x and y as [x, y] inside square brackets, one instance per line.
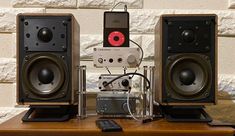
[147, 95]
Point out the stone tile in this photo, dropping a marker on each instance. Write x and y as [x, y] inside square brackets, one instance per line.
[8, 17]
[44, 3]
[106, 4]
[7, 95]
[7, 70]
[7, 45]
[144, 21]
[148, 46]
[88, 42]
[226, 86]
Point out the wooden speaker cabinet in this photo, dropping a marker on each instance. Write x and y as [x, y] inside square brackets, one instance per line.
[47, 59]
[186, 58]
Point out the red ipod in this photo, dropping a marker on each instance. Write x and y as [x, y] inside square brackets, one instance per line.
[116, 29]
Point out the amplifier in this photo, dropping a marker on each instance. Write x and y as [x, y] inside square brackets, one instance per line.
[116, 57]
[122, 84]
[114, 104]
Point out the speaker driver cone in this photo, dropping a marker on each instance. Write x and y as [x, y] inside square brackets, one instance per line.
[44, 74]
[189, 74]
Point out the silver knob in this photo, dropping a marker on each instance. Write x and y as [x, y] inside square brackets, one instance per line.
[131, 59]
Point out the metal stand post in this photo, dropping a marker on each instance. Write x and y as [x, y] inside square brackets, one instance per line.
[82, 92]
[151, 91]
[144, 91]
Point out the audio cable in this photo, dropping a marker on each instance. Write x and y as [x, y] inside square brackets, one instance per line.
[142, 55]
[119, 3]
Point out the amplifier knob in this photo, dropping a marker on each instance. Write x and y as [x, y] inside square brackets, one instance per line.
[131, 59]
[125, 83]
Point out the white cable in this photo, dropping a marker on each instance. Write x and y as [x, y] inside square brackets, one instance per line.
[128, 107]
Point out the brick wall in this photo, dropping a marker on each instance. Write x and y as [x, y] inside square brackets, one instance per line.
[144, 14]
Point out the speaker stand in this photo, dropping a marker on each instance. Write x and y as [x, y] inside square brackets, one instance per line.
[49, 113]
[186, 114]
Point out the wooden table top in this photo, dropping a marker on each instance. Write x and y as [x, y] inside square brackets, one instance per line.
[87, 127]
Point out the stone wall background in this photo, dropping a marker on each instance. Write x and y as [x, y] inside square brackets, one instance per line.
[144, 14]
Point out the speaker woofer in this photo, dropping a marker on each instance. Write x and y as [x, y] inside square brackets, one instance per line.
[188, 74]
[44, 74]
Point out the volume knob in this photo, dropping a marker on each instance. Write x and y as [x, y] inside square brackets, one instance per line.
[125, 83]
[131, 59]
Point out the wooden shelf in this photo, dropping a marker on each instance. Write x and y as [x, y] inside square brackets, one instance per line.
[87, 127]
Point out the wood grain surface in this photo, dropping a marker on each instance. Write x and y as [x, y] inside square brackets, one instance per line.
[87, 127]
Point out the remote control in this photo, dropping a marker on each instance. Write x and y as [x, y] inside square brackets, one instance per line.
[108, 126]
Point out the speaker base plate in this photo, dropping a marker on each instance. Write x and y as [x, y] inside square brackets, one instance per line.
[186, 114]
[49, 113]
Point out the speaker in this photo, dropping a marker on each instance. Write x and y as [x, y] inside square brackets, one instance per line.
[116, 29]
[186, 59]
[47, 59]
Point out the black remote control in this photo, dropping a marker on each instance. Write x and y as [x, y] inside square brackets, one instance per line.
[108, 125]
